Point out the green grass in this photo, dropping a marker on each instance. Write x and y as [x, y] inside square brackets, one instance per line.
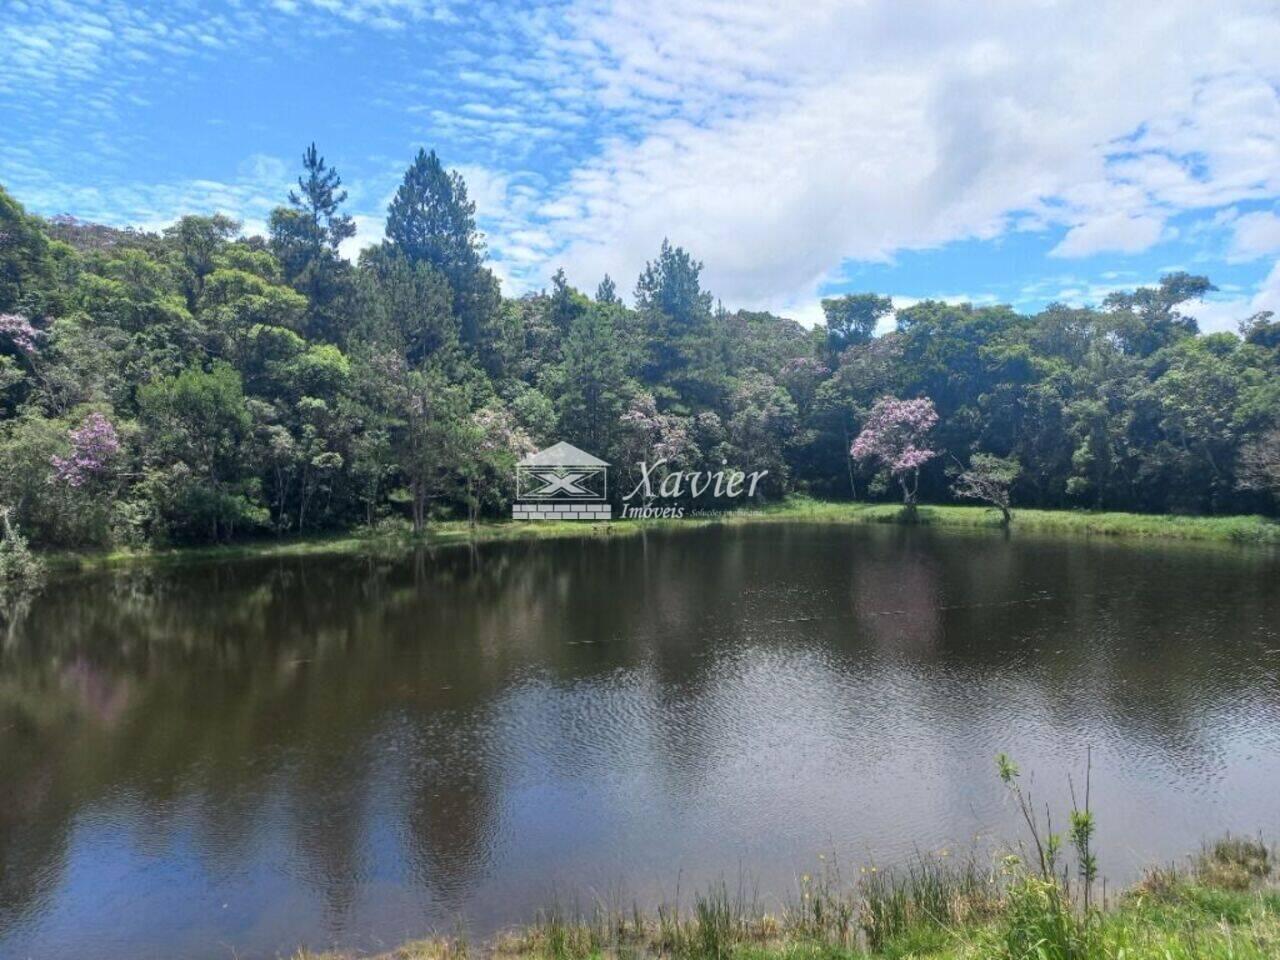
[1234, 529]
[352, 544]
[932, 909]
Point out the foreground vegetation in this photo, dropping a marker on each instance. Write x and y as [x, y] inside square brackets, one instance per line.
[1042, 902]
[197, 385]
[1223, 906]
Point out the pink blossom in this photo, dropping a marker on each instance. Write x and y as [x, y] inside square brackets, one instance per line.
[500, 433]
[93, 444]
[19, 329]
[665, 435]
[894, 435]
[804, 367]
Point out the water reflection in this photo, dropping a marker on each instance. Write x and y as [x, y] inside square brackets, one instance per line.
[259, 755]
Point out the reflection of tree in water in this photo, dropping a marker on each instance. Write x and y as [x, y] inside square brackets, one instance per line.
[450, 808]
[14, 608]
[897, 600]
[184, 682]
[367, 691]
[33, 813]
[328, 793]
[1106, 637]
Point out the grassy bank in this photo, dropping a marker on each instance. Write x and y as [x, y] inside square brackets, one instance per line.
[1243, 529]
[1223, 906]
[1239, 529]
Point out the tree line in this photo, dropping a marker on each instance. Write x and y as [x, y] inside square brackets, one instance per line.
[197, 385]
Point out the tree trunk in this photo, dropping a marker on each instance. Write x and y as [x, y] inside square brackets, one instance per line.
[848, 462]
[908, 498]
[419, 506]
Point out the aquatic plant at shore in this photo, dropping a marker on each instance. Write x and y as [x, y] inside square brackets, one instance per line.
[932, 908]
[1222, 906]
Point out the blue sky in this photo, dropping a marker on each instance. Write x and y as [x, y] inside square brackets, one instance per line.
[1014, 152]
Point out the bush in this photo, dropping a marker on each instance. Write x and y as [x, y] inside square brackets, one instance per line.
[1039, 923]
[18, 565]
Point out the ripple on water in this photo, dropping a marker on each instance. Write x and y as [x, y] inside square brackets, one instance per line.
[347, 753]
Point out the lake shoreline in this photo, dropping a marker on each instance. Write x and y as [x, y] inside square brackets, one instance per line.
[1250, 530]
[1222, 905]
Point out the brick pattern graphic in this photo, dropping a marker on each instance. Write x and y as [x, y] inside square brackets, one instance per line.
[561, 511]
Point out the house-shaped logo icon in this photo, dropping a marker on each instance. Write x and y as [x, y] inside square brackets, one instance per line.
[562, 483]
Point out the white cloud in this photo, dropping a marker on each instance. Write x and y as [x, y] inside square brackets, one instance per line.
[260, 186]
[1215, 316]
[809, 313]
[1268, 295]
[779, 141]
[1255, 235]
[1110, 233]
[369, 232]
[387, 15]
[774, 141]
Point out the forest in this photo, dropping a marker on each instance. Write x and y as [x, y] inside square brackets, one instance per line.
[198, 385]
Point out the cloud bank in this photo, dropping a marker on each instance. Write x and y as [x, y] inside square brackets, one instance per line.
[781, 143]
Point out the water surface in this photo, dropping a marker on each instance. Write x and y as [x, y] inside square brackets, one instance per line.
[242, 758]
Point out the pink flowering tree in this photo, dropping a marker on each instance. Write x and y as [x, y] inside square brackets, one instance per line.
[894, 439]
[94, 445]
[17, 330]
[657, 440]
[491, 443]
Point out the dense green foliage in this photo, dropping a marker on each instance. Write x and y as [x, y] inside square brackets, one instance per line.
[195, 385]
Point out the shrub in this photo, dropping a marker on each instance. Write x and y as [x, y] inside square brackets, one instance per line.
[1233, 863]
[18, 565]
[1039, 923]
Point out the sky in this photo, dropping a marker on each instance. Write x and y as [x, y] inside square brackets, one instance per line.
[1004, 152]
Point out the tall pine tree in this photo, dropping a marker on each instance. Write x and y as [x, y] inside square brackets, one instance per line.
[305, 236]
[607, 291]
[432, 221]
[319, 198]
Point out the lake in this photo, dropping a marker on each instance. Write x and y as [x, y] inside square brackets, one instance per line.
[240, 758]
